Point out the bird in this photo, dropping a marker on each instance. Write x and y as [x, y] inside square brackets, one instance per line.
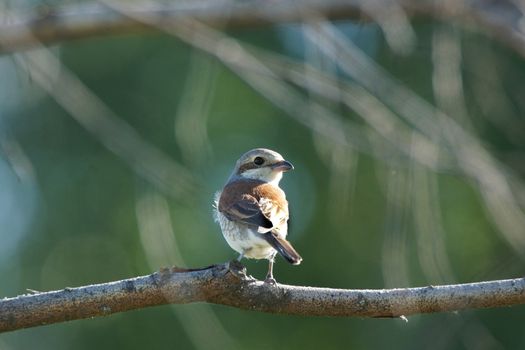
[252, 209]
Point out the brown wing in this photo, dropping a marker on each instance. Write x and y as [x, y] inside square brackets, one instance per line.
[248, 212]
[254, 203]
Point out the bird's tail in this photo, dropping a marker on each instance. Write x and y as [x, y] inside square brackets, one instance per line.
[284, 248]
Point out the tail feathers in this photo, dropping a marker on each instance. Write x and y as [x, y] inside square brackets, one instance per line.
[284, 248]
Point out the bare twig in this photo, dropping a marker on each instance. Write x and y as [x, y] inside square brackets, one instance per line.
[113, 132]
[500, 19]
[93, 114]
[228, 284]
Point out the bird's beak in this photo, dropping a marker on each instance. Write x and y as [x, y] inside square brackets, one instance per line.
[283, 166]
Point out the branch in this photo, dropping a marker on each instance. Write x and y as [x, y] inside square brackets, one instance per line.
[500, 19]
[228, 284]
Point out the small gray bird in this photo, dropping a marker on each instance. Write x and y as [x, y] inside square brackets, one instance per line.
[252, 209]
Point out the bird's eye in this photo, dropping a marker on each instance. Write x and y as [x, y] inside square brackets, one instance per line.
[258, 161]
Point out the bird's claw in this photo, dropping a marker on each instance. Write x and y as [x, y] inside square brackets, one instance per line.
[270, 280]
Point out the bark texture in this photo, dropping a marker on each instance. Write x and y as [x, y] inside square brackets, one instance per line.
[228, 284]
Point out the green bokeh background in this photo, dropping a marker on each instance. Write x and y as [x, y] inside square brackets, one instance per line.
[75, 222]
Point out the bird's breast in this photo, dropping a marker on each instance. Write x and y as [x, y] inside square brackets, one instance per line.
[244, 239]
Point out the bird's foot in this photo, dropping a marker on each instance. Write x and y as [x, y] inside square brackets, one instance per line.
[270, 280]
[238, 269]
[236, 265]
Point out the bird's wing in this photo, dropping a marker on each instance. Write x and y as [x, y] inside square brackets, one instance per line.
[248, 211]
[276, 213]
[256, 204]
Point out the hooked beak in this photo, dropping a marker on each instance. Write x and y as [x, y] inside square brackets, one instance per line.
[283, 166]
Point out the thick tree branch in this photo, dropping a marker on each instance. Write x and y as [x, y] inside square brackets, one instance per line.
[228, 284]
[500, 19]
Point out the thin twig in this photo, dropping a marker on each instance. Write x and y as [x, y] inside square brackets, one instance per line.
[500, 19]
[227, 284]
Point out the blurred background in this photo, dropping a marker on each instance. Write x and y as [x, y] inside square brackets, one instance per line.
[408, 141]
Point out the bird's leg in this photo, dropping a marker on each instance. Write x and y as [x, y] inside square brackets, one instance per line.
[240, 257]
[269, 276]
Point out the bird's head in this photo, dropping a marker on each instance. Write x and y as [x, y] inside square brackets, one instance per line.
[261, 164]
